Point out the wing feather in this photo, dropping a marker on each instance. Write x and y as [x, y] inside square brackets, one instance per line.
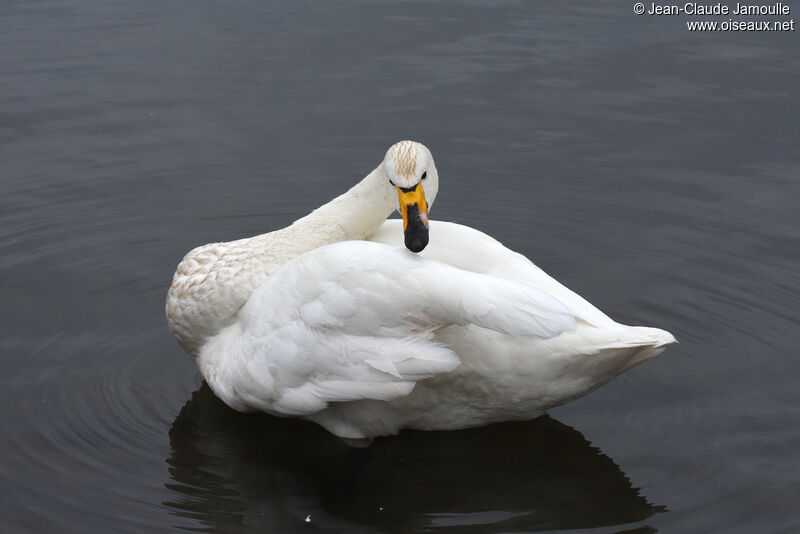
[355, 320]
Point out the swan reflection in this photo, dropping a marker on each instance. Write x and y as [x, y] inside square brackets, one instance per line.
[235, 472]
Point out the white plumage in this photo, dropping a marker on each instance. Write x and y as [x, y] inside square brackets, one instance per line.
[367, 338]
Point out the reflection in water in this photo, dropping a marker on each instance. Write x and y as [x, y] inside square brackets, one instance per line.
[234, 472]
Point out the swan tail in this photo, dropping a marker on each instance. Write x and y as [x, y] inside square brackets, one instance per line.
[645, 343]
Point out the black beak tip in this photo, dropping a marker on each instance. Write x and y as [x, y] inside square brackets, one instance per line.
[416, 232]
[416, 242]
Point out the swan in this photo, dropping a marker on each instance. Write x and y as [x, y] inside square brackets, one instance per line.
[367, 326]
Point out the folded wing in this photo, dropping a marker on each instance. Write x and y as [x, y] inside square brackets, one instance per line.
[355, 320]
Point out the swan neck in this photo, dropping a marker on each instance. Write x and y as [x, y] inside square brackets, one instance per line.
[356, 214]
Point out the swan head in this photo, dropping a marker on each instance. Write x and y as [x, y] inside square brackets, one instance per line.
[410, 170]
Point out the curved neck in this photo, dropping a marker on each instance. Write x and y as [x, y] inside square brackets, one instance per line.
[200, 305]
[355, 214]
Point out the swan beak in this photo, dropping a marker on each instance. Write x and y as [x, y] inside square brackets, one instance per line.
[414, 210]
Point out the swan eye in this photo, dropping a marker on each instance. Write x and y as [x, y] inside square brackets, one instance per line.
[424, 175]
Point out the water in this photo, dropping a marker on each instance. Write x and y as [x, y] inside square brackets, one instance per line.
[653, 170]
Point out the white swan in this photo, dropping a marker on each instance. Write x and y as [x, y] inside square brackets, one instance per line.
[332, 320]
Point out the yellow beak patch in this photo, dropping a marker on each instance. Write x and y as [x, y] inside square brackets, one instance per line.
[413, 197]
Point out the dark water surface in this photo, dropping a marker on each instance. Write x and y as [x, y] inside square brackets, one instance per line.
[653, 170]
